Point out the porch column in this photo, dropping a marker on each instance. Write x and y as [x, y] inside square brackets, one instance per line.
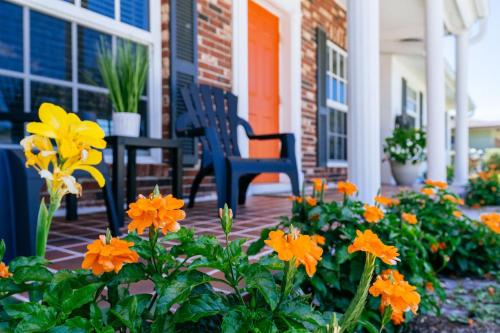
[363, 97]
[461, 119]
[436, 129]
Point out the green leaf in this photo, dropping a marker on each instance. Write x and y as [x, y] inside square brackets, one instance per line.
[73, 325]
[2, 249]
[260, 278]
[26, 261]
[80, 297]
[39, 319]
[130, 273]
[36, 273]
[302, 313]
[200, 306]
[235, 322]
[178, 290]
[129, 310]
[369, 327]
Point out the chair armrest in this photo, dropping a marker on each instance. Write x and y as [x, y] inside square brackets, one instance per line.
[287, 143]
[190, 132]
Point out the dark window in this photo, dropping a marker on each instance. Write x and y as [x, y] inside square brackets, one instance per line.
[11, 100]
[135, 12]
[337, 135]
[11, 36]
[50, 46]
[44, 92]
[104, 7]
[88, 42]
[99, 105]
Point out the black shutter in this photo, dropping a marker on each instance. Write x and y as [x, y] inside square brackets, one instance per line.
[183, 65]
[403, 97]
[322, 116]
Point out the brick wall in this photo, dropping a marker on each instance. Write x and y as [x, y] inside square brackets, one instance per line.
[214, 64]
[332, 19]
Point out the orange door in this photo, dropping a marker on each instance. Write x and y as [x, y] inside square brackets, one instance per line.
[263, 83]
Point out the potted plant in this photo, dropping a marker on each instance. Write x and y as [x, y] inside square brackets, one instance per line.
[124, 74]
[405, 150]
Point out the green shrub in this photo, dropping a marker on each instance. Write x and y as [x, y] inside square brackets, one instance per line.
[406, 145]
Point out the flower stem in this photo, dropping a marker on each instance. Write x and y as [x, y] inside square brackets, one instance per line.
[353, 312]
[44, 222]
[234, 283]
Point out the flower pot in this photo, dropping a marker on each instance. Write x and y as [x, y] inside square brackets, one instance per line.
[126, 124]
[406, 174]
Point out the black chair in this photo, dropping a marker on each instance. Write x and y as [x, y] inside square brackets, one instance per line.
[212, 116]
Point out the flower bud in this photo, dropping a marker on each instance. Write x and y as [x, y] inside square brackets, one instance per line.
[226, 219]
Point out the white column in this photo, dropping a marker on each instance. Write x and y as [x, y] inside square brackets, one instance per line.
[363, 97]
[434, 44]
[461, 120]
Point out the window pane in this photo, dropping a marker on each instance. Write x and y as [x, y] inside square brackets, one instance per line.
[11, 100]
[44, 92]
[11, 94]
[331, 121]
[98, 105]
[328, 87]
[342, 93]
[333, 62]
[331, 148]
[104, 7]
[341, 72]
[143, 111]
[335, 90]
[88, 43]
[50, 46]
[135, 12]
[11, 36]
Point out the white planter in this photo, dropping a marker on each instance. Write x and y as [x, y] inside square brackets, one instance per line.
[406, 174]
[126, 124]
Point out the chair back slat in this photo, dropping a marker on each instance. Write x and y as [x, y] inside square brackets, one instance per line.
[212, 107]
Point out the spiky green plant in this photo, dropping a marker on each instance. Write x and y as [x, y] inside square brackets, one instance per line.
[124, 74]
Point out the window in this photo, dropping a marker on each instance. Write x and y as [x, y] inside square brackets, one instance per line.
[59, 63]
[336, 97]
[410, 105]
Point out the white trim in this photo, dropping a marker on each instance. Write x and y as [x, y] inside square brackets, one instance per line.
[289, 13]
[337, 164]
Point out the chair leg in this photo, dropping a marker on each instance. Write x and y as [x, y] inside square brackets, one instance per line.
[232, 194]
[196, 185]
[243, 188]
[294, 180]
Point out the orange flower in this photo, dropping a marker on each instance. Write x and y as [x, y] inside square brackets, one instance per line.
[493, 189]
[4, 271]
[311, 201]
[427, 191]
[319, 184]
[429, 287]
[492, 221]
[373, 214]
[158, 212]
[318, 239]
[458, 214]
[303, 248]
[385, 201]
[347, 188]
[442, 245]
[452, 199]
[396, 293]
[436, 183]
[434, 248]
[410, 218]
[296, 199]
[369, 242]
[108, 255]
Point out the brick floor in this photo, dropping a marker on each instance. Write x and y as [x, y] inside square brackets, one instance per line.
[68, 239]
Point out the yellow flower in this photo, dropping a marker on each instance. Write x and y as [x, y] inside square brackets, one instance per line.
[436, 183]
[108, 255]
[73, 150]
[347, 188]
[4, 271]
[71, 134]
[303, 248]
[410, 218]
[492, 221]
[319, 184]
[373, 214]
[157, 212]
[369, 242]
[396, 293]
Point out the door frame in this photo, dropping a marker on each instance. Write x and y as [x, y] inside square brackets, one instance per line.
[290, 111]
